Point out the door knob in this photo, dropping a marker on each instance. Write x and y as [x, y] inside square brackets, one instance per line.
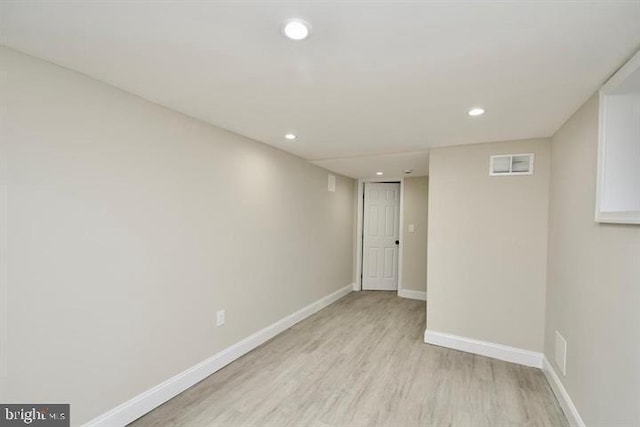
[397, 242]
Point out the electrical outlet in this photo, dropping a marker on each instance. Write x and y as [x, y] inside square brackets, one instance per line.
[561, 353]
[220, 318]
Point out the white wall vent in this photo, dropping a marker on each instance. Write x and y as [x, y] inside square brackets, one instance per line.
[561, 353]
[511, 164]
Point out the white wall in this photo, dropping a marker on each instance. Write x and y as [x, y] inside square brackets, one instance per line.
[593, 293]
[487, 249]
[414, 253]
[128, 225]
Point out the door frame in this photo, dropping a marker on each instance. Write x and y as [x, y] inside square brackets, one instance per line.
[357, 286]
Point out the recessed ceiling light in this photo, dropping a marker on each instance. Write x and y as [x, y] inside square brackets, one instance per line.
[378, 173]
[296, 29]
[290, 136]
[476, 111]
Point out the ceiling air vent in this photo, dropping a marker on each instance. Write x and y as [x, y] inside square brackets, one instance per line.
[511, 164]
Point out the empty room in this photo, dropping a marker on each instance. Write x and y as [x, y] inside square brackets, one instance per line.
[319, 213]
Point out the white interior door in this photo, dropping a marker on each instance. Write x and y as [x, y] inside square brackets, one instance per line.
[380, 236]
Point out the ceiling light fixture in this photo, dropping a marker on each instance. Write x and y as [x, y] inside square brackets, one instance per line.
[476, 111]
[296, 29]
[378, 173]
[290, 136]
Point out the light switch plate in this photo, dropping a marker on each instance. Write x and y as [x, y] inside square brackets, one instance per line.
[331, 185]
[412, 228]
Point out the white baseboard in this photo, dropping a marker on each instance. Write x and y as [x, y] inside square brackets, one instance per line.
[408, 293]
[154, 397]
[565, 401]
[355, 286]
[485, 348]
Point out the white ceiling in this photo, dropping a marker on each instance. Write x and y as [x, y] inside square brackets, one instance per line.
[374, 77]
[391, 165]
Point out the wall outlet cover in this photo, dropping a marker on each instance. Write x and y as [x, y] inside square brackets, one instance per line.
[220, 318]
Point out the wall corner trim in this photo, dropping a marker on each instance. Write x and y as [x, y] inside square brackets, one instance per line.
[408, 293]
[485, 348]
[569, 409]
[156, 396]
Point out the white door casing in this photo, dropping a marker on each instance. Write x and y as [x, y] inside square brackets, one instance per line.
[380, 234]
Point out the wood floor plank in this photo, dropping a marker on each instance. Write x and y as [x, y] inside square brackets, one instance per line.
[362, 362]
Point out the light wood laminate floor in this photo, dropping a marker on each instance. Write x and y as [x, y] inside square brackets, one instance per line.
[362, 361]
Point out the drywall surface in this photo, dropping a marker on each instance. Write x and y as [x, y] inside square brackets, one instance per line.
[126, 226]
[593, 293]
[414, 254]
[487, 249]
